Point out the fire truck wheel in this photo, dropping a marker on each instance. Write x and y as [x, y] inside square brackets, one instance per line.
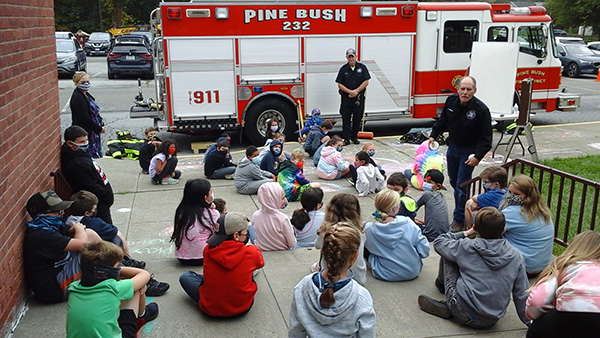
[265, 110]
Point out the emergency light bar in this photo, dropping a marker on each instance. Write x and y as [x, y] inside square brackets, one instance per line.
[531, 10]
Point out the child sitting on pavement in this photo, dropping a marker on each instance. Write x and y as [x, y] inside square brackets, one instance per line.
[494, 184]
[369, 148]
[219, 164]
[317, 136]
[291, 178]
[307, 221]
[395, 246]
[407, 206]
[478, 275]
[227, 288]
[329, 303]
[147, 150]
[367, 178]
[273, 228]
[331, 164]
[163, 164]
[83, 210]
[109, 300]
[221, 206]
[436, 208]
[314, 120]
[213, 146]
[274, 158]
[248, 175]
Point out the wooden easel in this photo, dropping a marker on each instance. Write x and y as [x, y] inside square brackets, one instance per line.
[523, 122]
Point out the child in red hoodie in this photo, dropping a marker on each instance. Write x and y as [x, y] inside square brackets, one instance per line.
[227, 288]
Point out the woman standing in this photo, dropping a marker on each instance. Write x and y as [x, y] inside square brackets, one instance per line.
[85, 113]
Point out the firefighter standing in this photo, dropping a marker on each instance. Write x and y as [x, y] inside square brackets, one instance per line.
[352, 79]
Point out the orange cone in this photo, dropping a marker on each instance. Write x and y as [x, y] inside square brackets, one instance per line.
[598, 77]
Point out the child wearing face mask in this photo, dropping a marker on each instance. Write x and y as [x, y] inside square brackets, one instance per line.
[248, 175]
[219, 164]
[529, 227]
[494, 184]
[163, 164]
[274, 158]
[273, 128]
[273, 229]
[291, 178]
[436, 208]
[331, 164]
[370, 149]
[368, 179]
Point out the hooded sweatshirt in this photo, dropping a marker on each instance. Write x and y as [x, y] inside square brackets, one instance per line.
[313, 141]
[292, 181]
[330, 163]
[490, 270]
[217, 160]
[369, 180]
[352, 314]
[228, 288]
[83, 173]
[273, 228]
[249, 177]
[397, 249]
[270, 161]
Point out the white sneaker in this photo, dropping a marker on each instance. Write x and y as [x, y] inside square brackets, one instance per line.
[169, 180]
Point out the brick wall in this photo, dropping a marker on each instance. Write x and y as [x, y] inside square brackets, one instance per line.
[29, 132]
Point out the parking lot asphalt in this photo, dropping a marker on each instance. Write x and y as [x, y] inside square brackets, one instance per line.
[144, 213]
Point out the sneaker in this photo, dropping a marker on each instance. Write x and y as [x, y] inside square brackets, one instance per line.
[457, 227]
[134, 263]
[155, 182]
[145, 172]
[155, 288]
[355, 141]
[169, 180]
[229, 177]
[150, 314]
[434, 307]
[346, 142]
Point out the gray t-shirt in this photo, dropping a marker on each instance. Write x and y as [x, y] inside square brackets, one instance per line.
[436, 214]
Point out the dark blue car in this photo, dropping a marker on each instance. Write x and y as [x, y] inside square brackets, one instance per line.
[130, 58]
[578, 59]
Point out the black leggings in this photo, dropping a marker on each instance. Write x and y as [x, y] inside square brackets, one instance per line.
[168, 169]
[565, 324]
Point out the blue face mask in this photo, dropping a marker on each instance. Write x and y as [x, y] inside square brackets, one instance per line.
[256, 160]
[85, 86]
[339, 148]
[83, 146]
[277, 151]
[371, 153]
[427, 186]
[487, 186]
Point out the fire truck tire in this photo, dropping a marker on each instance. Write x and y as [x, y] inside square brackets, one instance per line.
[256, 120]
[572, 70]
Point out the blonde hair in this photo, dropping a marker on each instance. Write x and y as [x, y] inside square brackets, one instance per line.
[297, 154]
[78, 76]
[340, 244]
[101, 252]
[584, 247]
[367, 145]
[385, 201]
[533, 205]
[342, 208]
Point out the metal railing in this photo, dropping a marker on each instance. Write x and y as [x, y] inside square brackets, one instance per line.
[573, 200]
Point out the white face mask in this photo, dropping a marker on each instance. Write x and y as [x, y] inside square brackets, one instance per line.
[274, 128]
[427, 186]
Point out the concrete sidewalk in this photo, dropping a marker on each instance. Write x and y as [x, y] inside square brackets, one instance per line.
[144, 213]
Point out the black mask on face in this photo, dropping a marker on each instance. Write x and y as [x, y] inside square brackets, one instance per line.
[93, 274]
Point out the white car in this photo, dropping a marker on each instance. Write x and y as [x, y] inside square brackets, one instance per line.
[569, 40]
[594, 46]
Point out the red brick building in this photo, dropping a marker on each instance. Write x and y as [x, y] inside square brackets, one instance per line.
[29, 133]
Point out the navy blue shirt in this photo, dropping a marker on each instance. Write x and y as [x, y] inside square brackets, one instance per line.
[352, 78]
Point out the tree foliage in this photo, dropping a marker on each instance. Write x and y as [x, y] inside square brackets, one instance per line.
[574, 13]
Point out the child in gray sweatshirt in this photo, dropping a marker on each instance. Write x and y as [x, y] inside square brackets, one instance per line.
[478, 275]
[330, 303]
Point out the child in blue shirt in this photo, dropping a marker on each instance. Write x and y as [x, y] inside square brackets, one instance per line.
[494, 183]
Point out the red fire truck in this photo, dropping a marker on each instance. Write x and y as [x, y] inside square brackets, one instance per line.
[237, 64]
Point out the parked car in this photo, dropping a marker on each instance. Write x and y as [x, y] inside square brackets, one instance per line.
[99, 43]
[559, 32]
[138, 38]
[147, 34]
[594, 46]
[578, 59]
[569, 40]
[70, 57]
[63, 35]
[130, 58]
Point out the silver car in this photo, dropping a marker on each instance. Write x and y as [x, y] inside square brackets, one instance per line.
[70, 57]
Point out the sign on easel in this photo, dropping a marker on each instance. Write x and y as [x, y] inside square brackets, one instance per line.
[523, 124]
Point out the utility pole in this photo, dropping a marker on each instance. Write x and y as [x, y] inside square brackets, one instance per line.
[100, 15]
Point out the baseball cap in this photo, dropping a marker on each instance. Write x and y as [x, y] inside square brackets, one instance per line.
[223, 143]
[351, 51]
[229, 223]
[47, 201]
[436, 176]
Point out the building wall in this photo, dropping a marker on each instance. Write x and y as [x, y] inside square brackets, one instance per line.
[29, 133]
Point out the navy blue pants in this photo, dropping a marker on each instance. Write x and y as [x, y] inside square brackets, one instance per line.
[459, 173]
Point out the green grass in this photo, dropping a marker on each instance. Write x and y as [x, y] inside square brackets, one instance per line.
[585, 167]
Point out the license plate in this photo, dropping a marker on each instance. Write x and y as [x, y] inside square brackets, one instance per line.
[97, 48]
[130, 57]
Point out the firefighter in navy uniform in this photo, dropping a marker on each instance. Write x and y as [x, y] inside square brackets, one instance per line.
[352, 79]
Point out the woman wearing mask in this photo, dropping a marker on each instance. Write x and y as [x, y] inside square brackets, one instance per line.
[529, 227]
[85, 113]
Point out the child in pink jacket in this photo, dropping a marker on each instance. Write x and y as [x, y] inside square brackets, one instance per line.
[273, 228]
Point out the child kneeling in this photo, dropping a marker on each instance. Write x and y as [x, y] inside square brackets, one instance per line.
[107, 292]
[478, 275]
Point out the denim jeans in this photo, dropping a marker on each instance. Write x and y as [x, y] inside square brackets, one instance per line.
[449, 273]
[222, 172]
[459, 173]
[190, 282]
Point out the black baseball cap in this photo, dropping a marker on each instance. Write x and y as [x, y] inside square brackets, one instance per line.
[435, 176]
